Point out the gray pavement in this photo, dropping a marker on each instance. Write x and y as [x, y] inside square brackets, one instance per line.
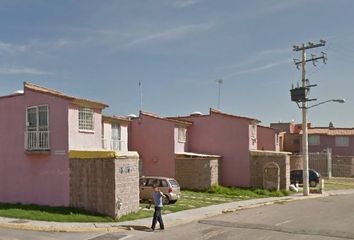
[171, 219]
[315, 219]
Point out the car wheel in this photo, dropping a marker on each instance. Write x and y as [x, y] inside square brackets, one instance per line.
[165, 200]
[313, 184]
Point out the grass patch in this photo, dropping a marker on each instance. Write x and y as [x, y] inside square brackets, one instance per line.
[339, 183]
[46, 213]
[215, 195]
[189, 200]
[246, 192]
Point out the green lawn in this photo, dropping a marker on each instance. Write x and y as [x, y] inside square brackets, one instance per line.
[339, 183]
[45, 213]
[196, 199]
[189, 200]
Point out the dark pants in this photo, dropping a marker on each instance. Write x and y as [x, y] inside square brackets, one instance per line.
[157, 217]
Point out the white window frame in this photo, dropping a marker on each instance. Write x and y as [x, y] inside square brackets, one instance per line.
[40, 133]
[314, 140]
[342, 141]
[86, 124]
[182, 134]
[116, 136]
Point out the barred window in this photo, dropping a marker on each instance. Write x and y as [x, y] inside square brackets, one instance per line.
[86, 119]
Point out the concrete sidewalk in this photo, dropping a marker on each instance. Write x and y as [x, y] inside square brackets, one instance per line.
[171, 219]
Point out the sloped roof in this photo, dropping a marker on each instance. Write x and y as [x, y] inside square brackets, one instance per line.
[76, 100]
[212, 110]
[215, 111]
[177, 121]
[331, 131]
[115, 119]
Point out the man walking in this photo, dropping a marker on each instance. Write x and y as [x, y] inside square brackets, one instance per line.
[157, 196]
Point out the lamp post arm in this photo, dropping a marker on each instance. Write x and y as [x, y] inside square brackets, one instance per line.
[331, 100]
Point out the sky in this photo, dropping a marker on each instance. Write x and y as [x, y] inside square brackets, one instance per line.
[178, 49]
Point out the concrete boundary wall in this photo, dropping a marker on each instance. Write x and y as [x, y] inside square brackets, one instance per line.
[196, 172]
[109, 186]
[261, 159]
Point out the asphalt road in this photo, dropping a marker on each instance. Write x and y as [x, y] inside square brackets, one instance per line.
[321, 218]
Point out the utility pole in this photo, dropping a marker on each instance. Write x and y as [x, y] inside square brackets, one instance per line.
[300, 94]
[219, 81]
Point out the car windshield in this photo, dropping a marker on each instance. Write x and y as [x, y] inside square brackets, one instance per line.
[173, 183]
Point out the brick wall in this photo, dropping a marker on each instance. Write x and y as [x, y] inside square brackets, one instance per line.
[108, 185]
[295, 162]
[342, 166]
[197, 173]
[259, 159]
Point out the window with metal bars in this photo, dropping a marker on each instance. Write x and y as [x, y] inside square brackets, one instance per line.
[86, 121]
[37, 130]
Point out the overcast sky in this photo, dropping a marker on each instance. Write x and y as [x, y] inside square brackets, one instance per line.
[178, 49]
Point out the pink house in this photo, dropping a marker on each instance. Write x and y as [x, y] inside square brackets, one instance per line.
[163, 147]
[339, 140]
[232, 137]
[267, 138]
[38, 128]
[157, 140]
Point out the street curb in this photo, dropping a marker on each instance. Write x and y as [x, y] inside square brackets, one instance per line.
[280, 201]
[114, 227]
[30, 227]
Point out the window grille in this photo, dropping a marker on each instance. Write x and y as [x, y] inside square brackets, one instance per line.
[86, 119]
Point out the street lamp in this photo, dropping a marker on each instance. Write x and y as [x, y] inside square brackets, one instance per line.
[300, 95]
[306, 189]
[331, 100]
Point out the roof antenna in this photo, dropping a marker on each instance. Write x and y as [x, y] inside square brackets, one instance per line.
[219, 81]
[141, 96]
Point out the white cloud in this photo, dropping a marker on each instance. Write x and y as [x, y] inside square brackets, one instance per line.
[170, 34]
[18, 70]
[276, 51]
[256, 58]
[12, 48]
[185, 3]
[259, 68]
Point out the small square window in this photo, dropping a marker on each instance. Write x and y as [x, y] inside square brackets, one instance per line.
[342, 141]
[314, 140]
[86, 119]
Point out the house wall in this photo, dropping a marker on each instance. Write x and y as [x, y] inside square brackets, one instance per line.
[33, 178]
[153, 139]
[79, 139]
[225, 136]
[292, 143]
[180, 146]
[266, 138]
[327, 141]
